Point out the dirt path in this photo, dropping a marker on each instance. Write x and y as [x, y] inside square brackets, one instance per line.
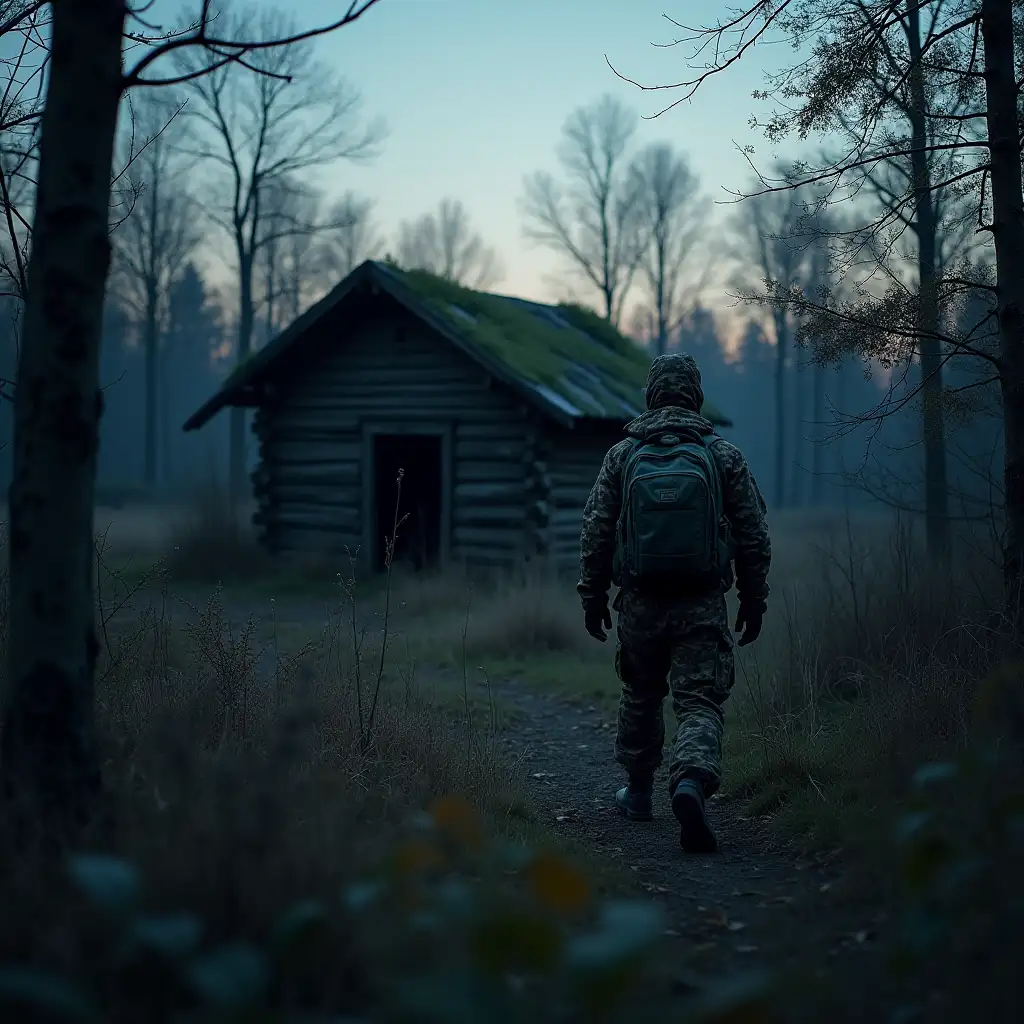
[755, 905]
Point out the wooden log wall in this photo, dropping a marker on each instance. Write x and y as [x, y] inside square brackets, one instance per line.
[388, 368]
[574, 461]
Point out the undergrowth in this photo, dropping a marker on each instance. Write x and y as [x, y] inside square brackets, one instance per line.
[883, 723]
[284, 838]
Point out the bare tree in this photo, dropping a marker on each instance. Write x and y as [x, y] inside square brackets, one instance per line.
[769, 227]
[670, 214]
[306, 270]
[277, 119]
[592, 218]
[289, 218]
[444, 243]
[152, 245]
[297, 259]
[352, 238]
[49, 761]
[968, 49]
[23, 29]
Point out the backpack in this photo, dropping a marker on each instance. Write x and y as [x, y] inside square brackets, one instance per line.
[671, 531]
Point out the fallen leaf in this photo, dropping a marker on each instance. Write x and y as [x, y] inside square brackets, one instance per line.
[736, 926]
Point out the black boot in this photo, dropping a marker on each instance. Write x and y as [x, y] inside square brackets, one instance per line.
[695, 834]
[634, 800]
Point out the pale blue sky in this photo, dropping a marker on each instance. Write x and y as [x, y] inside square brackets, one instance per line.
[475, 93]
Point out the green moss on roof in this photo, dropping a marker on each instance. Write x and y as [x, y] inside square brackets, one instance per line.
[538, 351]
[597, 327]
[574, 358]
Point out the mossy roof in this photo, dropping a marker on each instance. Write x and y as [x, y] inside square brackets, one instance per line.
[565, 358]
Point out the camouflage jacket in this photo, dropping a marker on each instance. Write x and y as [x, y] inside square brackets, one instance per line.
[743, 506]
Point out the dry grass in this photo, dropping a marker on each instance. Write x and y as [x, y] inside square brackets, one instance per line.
[532, 616]
[870, 668]
[266, 783]
[244, 774]
[240, 776]
[878, 663]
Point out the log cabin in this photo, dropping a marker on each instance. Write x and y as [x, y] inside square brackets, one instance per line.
[497, 410]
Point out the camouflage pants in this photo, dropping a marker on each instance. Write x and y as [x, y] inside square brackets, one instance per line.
[680, 648]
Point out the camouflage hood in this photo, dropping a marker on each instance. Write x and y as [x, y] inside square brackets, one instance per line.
[674, 398]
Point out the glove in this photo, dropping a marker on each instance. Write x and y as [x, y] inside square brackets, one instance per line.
[749, 621]
[597, 618]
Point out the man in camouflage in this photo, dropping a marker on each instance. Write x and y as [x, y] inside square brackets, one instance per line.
[678, 644]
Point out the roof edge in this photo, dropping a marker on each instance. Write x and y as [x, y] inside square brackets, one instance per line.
[375, 273]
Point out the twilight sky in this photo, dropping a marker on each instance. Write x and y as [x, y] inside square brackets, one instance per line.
[475, 93]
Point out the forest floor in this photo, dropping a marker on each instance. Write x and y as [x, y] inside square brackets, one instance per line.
[760, 903]
[784, 904]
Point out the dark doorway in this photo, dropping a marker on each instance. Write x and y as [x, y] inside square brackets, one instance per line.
[419, 508]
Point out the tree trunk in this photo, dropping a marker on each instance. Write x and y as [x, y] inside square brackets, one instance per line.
[839, 446]
[818, 415]
[152, 285]
[936, 489]
[238, 480]
[1008, 234]
[660, 300]
[781, 340]
[271, 258]
[151, 348]
[164, 403]
[49, 759]
[796, 480]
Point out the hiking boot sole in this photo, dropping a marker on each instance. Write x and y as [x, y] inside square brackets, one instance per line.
[695, 835]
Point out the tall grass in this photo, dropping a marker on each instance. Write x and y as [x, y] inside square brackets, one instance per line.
[871, 665]
[883, 720]
[263, 850]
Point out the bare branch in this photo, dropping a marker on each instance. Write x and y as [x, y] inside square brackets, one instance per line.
[444, 243]
[592, 219]
[227, 51]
